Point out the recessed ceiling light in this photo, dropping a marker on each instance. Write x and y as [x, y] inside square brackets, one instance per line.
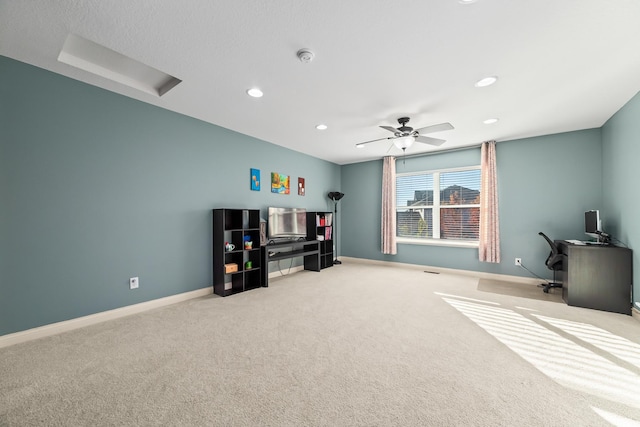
[359, 145]
[466, 1]
[490, 121]
[487, 81]
[255, 92]
[321, 127]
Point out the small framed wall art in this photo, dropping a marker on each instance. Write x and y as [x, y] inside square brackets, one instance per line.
[255, 179]
[300, 186]
[280, 183]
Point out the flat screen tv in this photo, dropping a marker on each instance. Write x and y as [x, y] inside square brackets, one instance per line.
[287, 223]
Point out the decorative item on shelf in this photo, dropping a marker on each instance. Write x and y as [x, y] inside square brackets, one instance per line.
[229, 246]
[263, 232]
[230, 268]
[248, 245]
[335, 196]
[248, 265]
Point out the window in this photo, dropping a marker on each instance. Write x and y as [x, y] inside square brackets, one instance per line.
[452, 215]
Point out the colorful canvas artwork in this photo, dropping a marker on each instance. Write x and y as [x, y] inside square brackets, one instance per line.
[255, 179]
[279, 183]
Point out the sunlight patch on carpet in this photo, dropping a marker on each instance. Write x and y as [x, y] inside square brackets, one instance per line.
[466, 298]
[620, 347]
[615, 419]
[561, 359]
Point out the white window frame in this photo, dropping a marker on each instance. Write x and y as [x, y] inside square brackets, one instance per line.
[435, 240]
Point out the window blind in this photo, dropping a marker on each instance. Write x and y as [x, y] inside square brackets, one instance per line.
[439, 204]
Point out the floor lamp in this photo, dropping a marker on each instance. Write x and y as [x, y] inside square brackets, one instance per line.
[335, 196]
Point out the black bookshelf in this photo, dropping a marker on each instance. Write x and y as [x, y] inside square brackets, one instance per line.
[235, 226]
[320, 227]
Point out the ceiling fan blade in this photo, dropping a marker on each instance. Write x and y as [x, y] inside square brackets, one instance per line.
[360, 144]
[429, 140]
[435, 128]
[390, 129]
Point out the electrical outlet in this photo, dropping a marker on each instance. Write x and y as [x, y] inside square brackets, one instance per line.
[518, 261]
[134, 283]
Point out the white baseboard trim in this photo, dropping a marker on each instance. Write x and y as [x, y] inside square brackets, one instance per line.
[92, 319]
[478, 274]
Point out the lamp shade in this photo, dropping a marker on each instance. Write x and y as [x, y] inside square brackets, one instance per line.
[335, 195]
[404, 142]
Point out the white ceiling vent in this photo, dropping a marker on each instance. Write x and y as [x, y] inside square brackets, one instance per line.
[97, 59]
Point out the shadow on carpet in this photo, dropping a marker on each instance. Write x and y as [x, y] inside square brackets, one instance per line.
[522, 290]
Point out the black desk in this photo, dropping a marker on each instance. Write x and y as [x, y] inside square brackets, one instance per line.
[596, 276]
[309, 249]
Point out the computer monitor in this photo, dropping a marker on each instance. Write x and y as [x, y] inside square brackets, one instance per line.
[592, 225]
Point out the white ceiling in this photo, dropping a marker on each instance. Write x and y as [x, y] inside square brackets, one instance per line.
[563, 65]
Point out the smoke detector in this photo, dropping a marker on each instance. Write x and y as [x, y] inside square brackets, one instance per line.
[305, 55]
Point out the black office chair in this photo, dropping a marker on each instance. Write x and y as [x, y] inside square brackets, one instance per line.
[553, 263]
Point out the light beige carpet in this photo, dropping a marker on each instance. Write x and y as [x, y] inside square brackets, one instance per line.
[354, 345]
[522, 290]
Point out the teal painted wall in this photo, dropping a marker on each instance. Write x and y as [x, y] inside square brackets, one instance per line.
[545, 184]
[621, 150]
[96, 188]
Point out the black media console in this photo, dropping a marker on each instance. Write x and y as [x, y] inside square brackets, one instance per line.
[309, 249]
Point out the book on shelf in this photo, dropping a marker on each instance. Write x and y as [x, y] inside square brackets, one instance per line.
[327, 233]
[324, 220]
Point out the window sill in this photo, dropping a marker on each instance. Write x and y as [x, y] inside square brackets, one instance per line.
[437, 242]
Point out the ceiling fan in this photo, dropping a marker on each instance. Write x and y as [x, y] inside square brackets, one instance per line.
[404, 136]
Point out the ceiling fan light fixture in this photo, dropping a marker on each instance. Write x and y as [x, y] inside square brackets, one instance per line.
[487, 81]
[404, 142]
